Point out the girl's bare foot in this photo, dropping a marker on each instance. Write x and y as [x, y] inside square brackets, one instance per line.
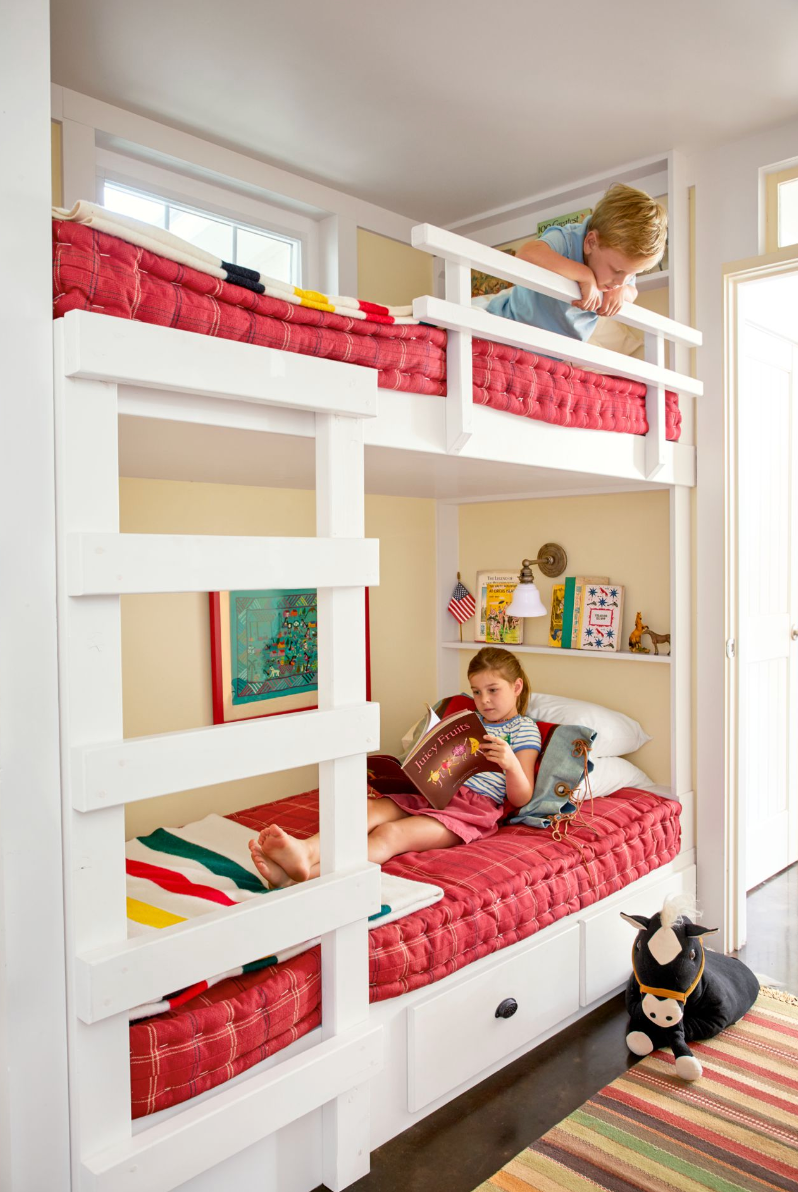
[269, 870]
[286, 852]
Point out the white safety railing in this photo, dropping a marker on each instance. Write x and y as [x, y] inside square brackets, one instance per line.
[109, 974]
[463, 321]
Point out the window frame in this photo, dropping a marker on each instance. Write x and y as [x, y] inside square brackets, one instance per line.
[229, 204]
[772, 182]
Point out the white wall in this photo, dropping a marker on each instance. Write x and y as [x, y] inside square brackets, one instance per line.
[622, 535]
[729, 227]
[90, 126]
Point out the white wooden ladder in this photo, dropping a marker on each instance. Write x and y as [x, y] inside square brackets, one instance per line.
[108, 974]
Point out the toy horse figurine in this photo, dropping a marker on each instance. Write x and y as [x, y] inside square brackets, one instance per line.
[679, 993]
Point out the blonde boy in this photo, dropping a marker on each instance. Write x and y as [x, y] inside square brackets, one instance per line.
[625, 235]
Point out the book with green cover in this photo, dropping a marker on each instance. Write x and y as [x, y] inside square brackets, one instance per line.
[573, 604]
[568, 612]
[580, 587]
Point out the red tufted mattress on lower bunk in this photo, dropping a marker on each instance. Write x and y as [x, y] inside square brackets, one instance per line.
[496, 892]
[98, 272]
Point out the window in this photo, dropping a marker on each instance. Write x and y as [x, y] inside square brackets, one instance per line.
[782, 209]
[269, 253]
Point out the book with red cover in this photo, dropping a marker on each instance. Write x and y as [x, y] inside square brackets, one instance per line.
[445, 756]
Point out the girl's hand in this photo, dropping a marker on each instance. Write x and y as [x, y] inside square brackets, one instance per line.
[591, 294]
[497, 750]
[612, 301]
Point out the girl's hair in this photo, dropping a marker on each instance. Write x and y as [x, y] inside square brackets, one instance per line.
[492, 658]
[631, 221]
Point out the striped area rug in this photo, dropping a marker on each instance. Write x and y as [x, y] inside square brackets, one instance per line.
[734, 1130]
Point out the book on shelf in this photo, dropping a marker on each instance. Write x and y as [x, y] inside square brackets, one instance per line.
[573, 607]
[494, 594]
[566, 610]
[602, 617]
[444, 757]
[555, 624]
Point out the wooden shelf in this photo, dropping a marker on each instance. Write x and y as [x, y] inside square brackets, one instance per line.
[620, 656]
[653, 281]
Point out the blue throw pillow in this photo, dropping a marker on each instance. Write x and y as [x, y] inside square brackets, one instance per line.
[560, 763]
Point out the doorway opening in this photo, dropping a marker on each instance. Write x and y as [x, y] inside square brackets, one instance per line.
[762, 578]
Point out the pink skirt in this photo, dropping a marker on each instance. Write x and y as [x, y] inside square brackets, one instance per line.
[470, 816]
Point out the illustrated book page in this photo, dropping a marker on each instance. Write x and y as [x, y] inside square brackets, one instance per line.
[442, 760]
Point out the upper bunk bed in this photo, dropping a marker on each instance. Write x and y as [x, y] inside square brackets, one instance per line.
[513, 420]
[120, 377]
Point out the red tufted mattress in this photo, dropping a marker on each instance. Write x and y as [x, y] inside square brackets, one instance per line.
[98, 272]
[497, 891]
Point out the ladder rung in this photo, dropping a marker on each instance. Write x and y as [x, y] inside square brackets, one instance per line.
[104, 775]
[169, 1154]
[117, 564]
[137, 971]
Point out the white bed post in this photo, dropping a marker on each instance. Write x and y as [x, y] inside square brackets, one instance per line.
[459, 364]
[342, 786]
[682, 655]
[655, 408]
[90, 688]
[34, 1110]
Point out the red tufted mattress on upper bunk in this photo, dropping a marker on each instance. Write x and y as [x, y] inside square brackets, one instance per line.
[496, 892]
[98, 272]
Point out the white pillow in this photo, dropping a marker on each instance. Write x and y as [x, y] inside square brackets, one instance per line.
[617, 733]
[610, 774]
[609, 333]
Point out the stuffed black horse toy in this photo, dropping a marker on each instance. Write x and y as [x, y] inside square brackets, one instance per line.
[677, 992]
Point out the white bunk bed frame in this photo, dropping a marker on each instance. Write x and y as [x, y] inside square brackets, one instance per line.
[313, 1112]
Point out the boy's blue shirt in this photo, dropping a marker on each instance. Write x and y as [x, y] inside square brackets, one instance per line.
[527, 306]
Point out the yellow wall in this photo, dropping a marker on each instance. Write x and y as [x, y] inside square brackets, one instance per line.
[56, 162]
[624, 536]
[391, 272]
[165, 639]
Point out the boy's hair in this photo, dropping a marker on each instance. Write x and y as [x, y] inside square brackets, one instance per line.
[492, 658]
[631, 221]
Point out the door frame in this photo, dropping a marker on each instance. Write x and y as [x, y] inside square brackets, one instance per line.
[735, 274]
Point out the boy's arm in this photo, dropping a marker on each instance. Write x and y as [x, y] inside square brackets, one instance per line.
[537, 252]
[613, 300]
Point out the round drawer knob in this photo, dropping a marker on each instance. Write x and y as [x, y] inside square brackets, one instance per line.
[507, 1008]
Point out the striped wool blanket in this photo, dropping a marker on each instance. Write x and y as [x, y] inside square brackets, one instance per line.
[183, 252]
[175, 874]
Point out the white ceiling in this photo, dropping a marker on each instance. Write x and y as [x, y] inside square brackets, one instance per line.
[439, 109]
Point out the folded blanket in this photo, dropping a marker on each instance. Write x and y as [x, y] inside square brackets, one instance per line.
[166, 244]
[175, 874]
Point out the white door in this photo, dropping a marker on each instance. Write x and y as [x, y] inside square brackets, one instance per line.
[767, 584]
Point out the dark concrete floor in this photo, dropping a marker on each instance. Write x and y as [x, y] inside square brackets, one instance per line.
[464, 1143]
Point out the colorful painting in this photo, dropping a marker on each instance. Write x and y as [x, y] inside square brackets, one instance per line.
[275, 634]
[264, 652]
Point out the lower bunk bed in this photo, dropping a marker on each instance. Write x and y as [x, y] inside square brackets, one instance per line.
[497, 894]
[95, 271]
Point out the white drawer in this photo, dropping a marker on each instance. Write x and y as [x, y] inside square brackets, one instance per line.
[607, 938]
[455, 1034]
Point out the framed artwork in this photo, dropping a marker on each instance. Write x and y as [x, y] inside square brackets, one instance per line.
[264, 653]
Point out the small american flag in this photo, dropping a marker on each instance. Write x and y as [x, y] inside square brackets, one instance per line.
[462, 604]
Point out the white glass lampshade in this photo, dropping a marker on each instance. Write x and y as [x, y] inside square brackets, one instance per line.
[526, 602]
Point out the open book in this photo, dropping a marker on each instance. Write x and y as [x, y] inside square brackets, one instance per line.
[445, 755]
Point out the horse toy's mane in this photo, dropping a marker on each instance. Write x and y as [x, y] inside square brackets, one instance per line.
[678, 992]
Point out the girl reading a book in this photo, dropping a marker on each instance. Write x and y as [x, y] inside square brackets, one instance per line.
[405, 822]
